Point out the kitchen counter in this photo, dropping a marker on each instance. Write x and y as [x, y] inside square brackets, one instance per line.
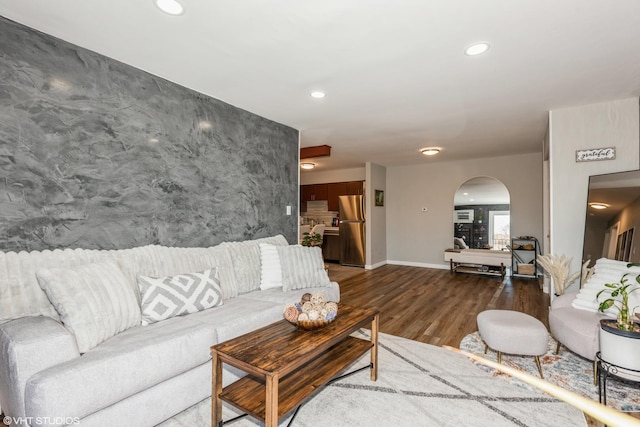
[332, 231]
[331, 244]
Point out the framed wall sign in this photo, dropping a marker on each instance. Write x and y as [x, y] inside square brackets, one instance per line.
[593, 154]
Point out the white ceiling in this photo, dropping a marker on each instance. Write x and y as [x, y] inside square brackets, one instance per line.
[394, 72]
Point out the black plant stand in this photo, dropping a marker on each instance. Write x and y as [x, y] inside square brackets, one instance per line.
[606, 370]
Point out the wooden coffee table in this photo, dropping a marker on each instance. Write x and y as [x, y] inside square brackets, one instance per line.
[285, 365]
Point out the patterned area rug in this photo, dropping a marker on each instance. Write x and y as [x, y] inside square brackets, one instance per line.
[418, 385]
[565, 369]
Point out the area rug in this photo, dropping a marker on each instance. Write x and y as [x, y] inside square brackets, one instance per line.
[565, 369]
[418, 385]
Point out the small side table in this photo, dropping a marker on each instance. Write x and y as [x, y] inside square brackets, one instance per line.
[605, 370]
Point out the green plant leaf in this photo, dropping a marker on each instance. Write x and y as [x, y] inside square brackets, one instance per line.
[605, 305]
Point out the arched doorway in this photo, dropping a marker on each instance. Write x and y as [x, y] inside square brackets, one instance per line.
[481, 217]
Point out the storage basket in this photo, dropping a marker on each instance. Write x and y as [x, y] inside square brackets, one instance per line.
[528, 269]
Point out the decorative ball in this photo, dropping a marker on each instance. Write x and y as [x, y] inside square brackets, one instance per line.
[305, 297]
[317, 298]
[331, 307]
[302, 317]
[291, 313]
[313, 315]
[307, 307]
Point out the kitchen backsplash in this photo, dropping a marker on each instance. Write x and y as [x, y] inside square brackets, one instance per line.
[318, 213]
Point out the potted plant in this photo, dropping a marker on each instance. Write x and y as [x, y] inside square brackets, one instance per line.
[620, 337]
[311, 239]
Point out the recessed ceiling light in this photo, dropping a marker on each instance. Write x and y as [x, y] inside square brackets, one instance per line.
[431, 151]
[172, 7]
[598, 205]
[317, 94]
[307, 165]
[477, 49]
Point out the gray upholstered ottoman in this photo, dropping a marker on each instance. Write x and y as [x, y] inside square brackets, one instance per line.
[513, 332]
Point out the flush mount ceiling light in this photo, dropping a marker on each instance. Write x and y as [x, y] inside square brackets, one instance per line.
[318, 94]
[477, 49]
[307, 165]
[432, 151]
[172, 7]
[598, 205]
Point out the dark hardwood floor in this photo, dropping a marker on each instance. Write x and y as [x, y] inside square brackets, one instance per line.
[435, 306]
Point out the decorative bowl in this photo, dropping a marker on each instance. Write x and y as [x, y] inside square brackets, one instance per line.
[311, 325]
[312, 312]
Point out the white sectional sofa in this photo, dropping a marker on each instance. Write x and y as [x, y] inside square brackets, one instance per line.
[83, 342]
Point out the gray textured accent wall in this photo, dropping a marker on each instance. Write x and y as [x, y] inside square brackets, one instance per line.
[97, 154]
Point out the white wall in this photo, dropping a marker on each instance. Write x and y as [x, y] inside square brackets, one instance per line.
[340, 175]
[614, 123]
[376, 231]
[420, 238]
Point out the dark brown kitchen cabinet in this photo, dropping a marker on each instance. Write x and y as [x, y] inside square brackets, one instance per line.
[331, 247]
[306, 193]
[329, 192]
[321, 191]
[336, 189]
[314, 192]
[354, 188]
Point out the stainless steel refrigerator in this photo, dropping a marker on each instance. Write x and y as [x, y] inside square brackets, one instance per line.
[352, 223]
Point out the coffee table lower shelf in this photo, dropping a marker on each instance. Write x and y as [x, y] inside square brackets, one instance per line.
[248, 393]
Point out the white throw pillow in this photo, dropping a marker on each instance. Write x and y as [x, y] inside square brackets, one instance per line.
[94, 301]
[245, 256]
[166, 297]
[270, 270]
[606, 271]
[302, 267]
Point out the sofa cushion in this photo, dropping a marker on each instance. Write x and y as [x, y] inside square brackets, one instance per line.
[160, 261]
[459, 243]
[246, 260]
[20, 292]
[94, 301]
[302, 267]
[122, 366]
[270, 270]
[239, 316]
[331, 293]
[166, 297]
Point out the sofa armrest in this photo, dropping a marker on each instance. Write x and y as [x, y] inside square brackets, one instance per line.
[29, 345]
[563, 301]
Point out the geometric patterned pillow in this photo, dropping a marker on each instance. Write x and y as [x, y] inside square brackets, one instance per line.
[166, 297]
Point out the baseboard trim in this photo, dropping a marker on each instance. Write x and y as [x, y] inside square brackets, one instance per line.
[419, 264]
[376, 265]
